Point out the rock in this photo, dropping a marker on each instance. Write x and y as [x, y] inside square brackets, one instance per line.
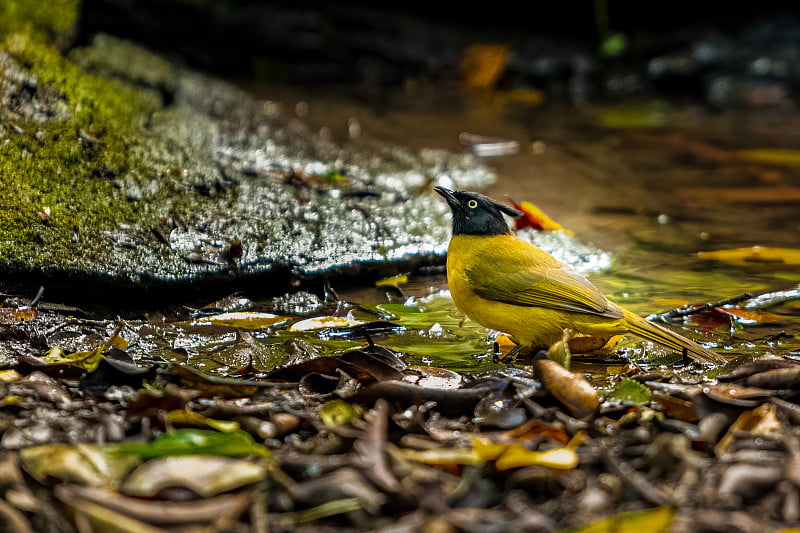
[128, 172]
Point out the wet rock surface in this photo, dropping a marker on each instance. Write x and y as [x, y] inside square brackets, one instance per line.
[206, 183]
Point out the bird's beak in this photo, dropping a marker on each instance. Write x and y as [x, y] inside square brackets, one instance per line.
[449, 195]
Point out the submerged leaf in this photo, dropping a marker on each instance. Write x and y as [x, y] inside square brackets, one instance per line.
[630, 391]
[195, 442]
[324, 322]
[394, 281]
[88, 360]
[755, 255]
[243, 320]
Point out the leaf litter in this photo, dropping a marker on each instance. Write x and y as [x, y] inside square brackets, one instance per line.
[241, 424]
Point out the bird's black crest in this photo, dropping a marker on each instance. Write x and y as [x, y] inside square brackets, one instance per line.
[476, 214]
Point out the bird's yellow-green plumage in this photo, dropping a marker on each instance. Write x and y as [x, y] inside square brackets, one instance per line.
[507, 284]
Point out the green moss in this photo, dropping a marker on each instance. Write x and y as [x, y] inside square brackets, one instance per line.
[66, 165]
[50, 20]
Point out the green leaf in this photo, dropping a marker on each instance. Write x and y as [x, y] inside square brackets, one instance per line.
[337, 412]
[196, 442]
[631, 391]
[614, 44]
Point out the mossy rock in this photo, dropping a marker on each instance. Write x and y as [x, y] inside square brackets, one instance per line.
[125, 171]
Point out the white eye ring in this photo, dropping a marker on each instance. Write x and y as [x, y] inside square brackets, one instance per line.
[472, 204]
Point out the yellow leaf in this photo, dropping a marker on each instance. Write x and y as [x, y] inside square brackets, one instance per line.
[487, 450]
[755, 255]
[547, 223]
[394, 281]
[10, 375]
[517, 455]
[244, 320]
[183, 418]
[772, 156]
[749, 316]
[444, 456]
[669, 302]
[483, 64]
[324, 322]
[337, 412]
[523, 96]
[656, 520]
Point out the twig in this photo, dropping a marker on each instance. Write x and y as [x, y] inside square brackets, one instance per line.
[35, 301]
[688, 310]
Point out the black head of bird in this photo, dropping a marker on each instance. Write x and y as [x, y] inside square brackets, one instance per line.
[476, 214]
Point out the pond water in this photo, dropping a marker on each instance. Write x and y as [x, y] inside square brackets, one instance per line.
[651, 183]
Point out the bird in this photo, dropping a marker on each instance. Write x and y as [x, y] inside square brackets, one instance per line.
[507, 284]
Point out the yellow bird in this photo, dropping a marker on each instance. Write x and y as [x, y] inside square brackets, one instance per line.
[507, 284]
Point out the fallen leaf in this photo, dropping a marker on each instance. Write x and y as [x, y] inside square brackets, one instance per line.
[762, 420]
[206, 510]
[655, 520]
[84, 464]
[394, 281]
[772, 156]
[483, 64]
[570, 388]
[243, 320]
[631, 392]
[11, 315]
[184, 418]
[755, 255]
[337, 412]
[206, 475]
[559, 351]
[9, 375]
[195, 442]
[533, 217]
[324, 322]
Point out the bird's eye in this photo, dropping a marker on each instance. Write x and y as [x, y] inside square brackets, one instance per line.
[472, 204]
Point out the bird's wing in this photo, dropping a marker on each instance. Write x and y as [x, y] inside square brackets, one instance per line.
[554, 286]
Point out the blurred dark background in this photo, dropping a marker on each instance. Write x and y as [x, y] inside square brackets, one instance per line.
[717, 51]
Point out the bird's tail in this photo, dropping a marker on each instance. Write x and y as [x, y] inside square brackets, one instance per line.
[661, 335]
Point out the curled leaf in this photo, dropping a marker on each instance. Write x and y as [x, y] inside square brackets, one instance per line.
[570, 388]
[206, 475]
[559, 351]
[184, 418]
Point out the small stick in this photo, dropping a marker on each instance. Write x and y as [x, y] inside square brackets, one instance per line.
[689, 310]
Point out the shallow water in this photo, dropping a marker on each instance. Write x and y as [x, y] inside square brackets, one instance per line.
[652, 196]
